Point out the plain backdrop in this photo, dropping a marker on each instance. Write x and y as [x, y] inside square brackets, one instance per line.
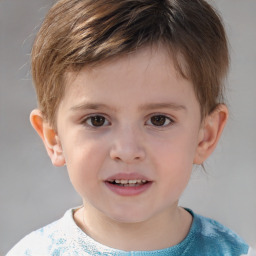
[33, 192]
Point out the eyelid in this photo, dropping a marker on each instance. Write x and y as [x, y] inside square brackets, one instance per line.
[87, 117]
[171, 119]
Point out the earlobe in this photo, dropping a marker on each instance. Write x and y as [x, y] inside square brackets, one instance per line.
[210, 133]
[49, 137]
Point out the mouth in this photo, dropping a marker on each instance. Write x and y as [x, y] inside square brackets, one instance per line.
[128, 183]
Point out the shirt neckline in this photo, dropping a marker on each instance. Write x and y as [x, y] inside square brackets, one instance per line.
[89, 245]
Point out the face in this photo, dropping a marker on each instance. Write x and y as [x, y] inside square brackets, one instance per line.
[129, 130]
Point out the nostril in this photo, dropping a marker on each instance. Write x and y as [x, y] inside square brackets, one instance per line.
[127, 155]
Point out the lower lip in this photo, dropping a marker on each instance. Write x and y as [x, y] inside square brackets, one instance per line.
[128, 191]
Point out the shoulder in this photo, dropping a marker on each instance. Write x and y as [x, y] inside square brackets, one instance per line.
[49, 240]
[222, 241]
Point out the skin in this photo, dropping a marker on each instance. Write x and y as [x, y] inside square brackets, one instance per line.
[130, 95]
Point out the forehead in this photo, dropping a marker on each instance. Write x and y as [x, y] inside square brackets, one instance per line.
[148, 72]
[142, 60]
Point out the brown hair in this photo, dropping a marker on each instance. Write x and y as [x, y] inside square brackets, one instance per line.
[76, 33]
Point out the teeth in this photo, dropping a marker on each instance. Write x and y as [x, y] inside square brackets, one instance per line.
[125, 182]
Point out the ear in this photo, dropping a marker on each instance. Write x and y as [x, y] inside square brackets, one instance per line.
[49, 137]
[210, 133]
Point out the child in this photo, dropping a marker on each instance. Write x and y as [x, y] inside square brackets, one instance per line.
[130, 98]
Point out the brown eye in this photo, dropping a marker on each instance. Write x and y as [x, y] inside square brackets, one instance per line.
[96, 121]
[160, 120]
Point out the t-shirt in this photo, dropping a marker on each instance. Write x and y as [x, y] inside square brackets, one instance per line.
[64, 238]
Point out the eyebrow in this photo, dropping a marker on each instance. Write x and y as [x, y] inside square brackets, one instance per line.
[92, 106]
[144, 107]
[153, 106]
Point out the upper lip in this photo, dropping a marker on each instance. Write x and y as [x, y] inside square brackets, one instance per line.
[128, 176]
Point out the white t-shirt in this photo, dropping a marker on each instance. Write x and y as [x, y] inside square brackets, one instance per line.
[64, 238]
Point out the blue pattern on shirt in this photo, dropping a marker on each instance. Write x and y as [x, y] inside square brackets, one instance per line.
[64, 238]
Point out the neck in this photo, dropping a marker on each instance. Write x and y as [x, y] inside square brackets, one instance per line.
[161, 231]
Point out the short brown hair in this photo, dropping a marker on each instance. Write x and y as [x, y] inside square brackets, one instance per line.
[76, 33]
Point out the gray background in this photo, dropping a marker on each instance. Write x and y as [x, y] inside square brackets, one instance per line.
[34, 193]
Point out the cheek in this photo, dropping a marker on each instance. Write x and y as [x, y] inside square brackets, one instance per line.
[175, 171]
[173, 158]
[176, 149]
[84, 162]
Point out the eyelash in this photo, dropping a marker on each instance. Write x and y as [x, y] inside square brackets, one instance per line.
[88, 121]
[161, 117]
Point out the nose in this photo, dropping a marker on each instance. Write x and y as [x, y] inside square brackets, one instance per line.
[128, 146]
